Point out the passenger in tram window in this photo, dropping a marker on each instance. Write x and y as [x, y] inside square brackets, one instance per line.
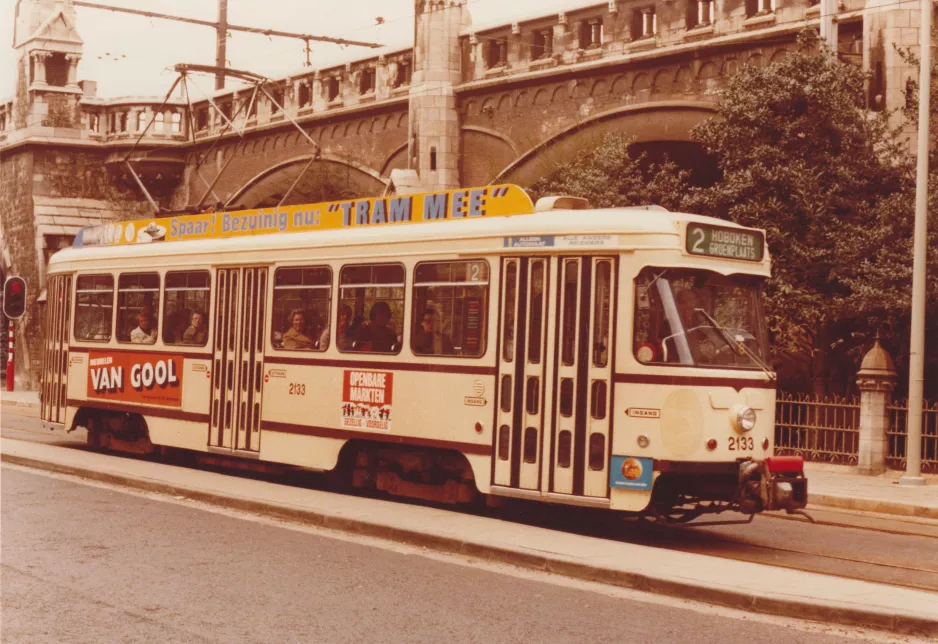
[144, 333]
[175, 327]
[344, 337]
[196, 333]
[428, 339]
[295, 337]
[378, 336]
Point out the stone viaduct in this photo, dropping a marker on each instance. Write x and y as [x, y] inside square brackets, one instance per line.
[465, 106]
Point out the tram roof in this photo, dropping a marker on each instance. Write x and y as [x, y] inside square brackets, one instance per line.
[513, 223]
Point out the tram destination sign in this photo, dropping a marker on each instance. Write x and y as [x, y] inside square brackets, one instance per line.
[469, 203]
[725, 242]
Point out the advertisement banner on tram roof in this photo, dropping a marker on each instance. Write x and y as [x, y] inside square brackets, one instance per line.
[489, 201]
[125, 376]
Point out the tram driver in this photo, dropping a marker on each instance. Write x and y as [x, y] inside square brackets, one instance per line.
[700, 334]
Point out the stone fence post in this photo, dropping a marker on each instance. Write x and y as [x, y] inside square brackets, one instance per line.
[876, 380]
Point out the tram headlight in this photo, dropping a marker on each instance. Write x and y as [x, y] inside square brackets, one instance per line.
[744, 418]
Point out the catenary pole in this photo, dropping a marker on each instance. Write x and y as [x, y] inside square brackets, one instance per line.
[913, 470]
[221, 43]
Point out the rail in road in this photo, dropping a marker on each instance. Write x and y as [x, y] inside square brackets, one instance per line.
[884, 549]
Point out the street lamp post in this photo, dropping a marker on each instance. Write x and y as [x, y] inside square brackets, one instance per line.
[913, 446]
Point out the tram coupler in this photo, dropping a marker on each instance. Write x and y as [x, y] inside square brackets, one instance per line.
[777, 483]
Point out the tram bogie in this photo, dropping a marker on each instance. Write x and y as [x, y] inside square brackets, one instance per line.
[605, 358]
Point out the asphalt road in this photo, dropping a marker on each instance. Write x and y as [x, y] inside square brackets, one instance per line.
[82, 563]
[881, 548]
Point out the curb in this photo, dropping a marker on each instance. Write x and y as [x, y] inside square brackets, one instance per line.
[871, 505]
[813, 609]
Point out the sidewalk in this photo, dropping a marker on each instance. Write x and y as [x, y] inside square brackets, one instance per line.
[834, 486]
[743, 585]
[839, 486]
[22, 403]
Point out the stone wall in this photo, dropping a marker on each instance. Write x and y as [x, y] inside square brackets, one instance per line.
[20, 257]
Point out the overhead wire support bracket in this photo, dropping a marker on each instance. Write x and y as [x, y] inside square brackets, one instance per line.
[259, 83]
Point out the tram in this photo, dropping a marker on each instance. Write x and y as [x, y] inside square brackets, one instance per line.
[450, 346]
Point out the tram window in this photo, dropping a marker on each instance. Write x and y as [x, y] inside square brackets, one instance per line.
[302, 304]
[138, 305]
[372, 298]
[450, 307]
[536, 313]
[185, 311]
[597, 451]
[564, 449]
[598, 399]
[570, 305]
[530, 445]
[508, 323]
[566, 397]
[94, 307]
[699, 318]
[602, 294]
[504, 443]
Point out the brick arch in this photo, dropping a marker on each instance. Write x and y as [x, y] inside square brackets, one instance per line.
[471, 108]
[580, 90]
[521, 100]
[600, 88]
[361, 128]
[488, 107]
[402, 121]
[756, 60]
[683, 80]
[559, 94]
[268, 186]
[375, 126]
[662, 81]
[621, 85]
[707, 71]
[640, 82]
[504, 103]
[649, 122]
[490, 151]
[541, 97]
[347, 132]
[779, 54]
[730, 67]
[389, 122]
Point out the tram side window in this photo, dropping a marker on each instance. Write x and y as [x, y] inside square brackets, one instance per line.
[138, 305]
[185, 312]
[302, 301]
[94, 307]
[450, 308]
[371, 298]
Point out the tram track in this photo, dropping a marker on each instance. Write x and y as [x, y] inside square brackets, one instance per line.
[767, 540]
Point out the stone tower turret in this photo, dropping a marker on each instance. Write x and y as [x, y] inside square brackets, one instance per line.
[434, 114]
[48, 49]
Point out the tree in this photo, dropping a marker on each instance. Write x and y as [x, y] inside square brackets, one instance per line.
[801, 157]
[608, 176]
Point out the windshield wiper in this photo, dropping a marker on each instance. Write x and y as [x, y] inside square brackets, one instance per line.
[740, 344]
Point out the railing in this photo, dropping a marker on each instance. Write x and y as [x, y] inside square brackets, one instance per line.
[819, 429]
[828, 430]
[896, 435]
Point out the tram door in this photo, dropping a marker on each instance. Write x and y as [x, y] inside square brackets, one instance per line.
[555, 374]
[237, 363]
[521, 372]
[581, 422]
[55, 354]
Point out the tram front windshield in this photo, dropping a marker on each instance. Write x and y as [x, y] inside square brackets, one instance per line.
[699, 318]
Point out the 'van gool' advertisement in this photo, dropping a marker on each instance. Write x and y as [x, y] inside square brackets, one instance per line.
[147, 378]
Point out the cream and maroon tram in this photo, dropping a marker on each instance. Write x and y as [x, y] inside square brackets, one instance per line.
[440, 345]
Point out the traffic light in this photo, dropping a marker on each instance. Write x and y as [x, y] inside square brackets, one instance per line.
[14, 297]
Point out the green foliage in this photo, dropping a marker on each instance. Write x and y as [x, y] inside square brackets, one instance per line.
[608, 177]
[801, 156]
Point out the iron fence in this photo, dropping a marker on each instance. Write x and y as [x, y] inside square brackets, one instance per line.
[819, 429]
[896, 435]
